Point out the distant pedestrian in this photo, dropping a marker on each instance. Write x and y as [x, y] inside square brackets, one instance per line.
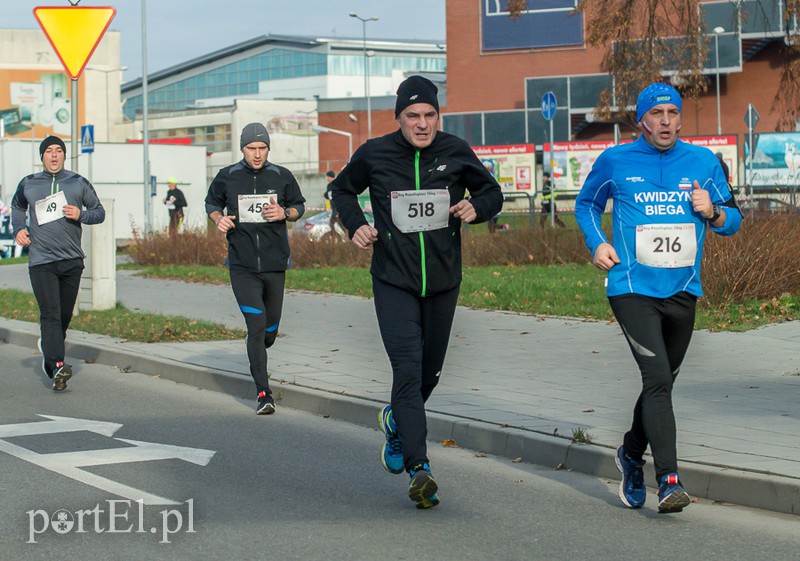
[250, 202]
[417, 178]
[175, 202]
[549, 202]
[334, 220]
[725, 169]
[47, 212]
[667, 194]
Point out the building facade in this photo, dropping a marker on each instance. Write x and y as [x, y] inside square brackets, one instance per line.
[498, 71]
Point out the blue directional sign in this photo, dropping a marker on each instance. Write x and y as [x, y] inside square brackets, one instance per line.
[87, 139]
[549, 105]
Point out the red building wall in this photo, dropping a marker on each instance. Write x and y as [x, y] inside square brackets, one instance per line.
[333, 147]
[495, 81]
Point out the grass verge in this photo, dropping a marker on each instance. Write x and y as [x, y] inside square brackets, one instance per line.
[556, 290]
[121, 323]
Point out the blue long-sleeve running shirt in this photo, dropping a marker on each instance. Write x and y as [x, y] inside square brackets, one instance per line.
[656, 234]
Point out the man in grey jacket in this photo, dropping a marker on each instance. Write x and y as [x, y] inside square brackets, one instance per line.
[47, 211]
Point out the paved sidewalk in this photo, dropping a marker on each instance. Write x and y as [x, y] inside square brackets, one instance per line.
[513, 385]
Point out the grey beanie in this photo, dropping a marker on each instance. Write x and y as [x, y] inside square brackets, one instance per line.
[416, 89]
[254, 132]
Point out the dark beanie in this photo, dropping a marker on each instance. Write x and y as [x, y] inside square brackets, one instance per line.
[330, 173]
[49, 141]
[254, 132]
[416, 89]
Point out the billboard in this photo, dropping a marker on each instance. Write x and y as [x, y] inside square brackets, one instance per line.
[512, 165]
[776, 163]
[34, 103]
[545, 23]
[572, 161]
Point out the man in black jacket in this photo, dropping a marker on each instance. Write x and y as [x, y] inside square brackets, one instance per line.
[259, 198]
[417, 178]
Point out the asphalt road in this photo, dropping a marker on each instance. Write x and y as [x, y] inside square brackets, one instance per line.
[298, 486]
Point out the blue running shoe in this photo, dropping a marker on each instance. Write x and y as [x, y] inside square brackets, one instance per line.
[631, 489]
[672, 497]
[392, 449]
[422, 489]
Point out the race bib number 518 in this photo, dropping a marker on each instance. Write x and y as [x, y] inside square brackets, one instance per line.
[420, 211]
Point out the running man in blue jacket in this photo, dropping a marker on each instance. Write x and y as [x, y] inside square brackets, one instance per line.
[667, 195]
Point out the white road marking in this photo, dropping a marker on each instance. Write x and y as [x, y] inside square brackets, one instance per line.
[68, 463]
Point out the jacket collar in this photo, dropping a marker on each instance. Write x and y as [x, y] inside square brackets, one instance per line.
[648, 148]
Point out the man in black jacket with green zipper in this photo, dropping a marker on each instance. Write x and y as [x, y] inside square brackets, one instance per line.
[417, 179]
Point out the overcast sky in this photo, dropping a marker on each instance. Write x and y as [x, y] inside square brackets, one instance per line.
[179, 30]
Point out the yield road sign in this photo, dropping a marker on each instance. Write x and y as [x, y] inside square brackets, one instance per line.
[549, 105]
[87, 139]
[74, 32]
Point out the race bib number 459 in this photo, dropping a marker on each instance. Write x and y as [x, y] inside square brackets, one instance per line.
[420, 211]
[666, 245]
[250, 207]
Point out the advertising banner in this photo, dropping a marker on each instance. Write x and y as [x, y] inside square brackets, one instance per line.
[776, 164]
[727, 145]
[34, 104]
[512, 165]
[572, 161]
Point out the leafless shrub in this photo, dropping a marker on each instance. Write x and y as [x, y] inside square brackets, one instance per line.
[761, 261]
[524, 247]
[189, 247]
[327, 252]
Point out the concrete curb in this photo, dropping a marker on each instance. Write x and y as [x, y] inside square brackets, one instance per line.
[717, 483]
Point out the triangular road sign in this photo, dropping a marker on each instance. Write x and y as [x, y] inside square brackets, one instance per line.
[74, 32]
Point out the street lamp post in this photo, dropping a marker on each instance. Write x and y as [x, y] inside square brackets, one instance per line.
[717, 31]
[308, 137]
[108, 111]
[349, 135]
[366, 69]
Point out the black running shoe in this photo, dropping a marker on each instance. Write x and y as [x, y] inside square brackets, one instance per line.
[266, 405]
[62, 373]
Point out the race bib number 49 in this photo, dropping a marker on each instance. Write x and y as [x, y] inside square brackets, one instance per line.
[50, 208]
[250, 207]
[666, 245]
[420, 211]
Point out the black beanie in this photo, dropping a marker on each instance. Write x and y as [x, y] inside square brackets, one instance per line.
[416, 89]
[49, 141]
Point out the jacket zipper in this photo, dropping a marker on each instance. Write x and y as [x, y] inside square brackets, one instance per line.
[421, 237]
[258, 239]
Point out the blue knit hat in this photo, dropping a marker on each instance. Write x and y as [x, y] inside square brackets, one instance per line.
[656, 94]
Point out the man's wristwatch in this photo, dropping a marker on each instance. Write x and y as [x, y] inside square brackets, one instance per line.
[716, 214]
[286, 213]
